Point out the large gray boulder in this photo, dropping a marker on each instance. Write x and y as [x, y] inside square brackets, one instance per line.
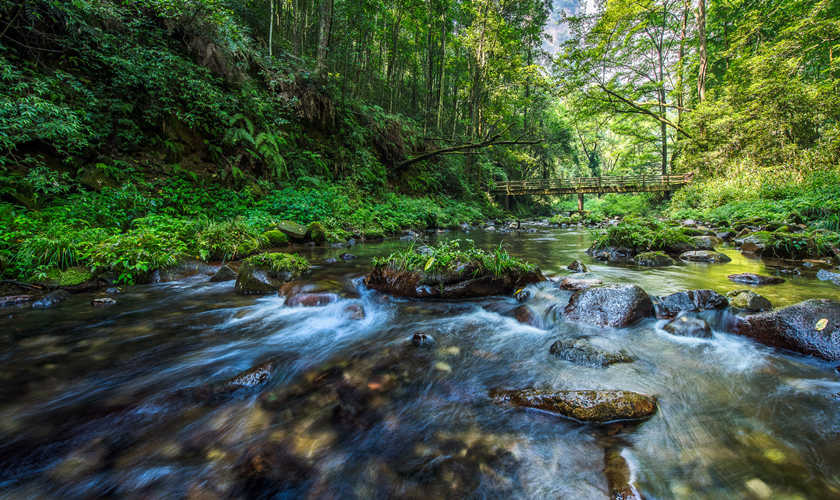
[811, 327]
[612, 305]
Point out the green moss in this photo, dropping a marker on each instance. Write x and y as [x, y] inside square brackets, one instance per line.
[278, 262]
[453, 256]
[795, 245]
[69, 277]
[653, 259]
[316, 232]
[275, 238]
[373, 234]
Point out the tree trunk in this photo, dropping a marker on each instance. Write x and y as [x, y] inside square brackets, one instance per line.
[325, 19]
[442, 67]
[270, 28]
[701, 34]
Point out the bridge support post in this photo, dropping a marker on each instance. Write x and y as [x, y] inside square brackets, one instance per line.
[580, 202]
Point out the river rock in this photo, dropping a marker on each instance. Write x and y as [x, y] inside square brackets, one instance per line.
[459, 284]
[747, 300]
[311, 299]
[670, 306]
[10, 300]
[704, 256]
[811, 327]
[225, 273]
[611, 305]
[706, 242]
[619, 477]
[824, 275]
[724, 235]
[422, 340]
[526, 316]
[576, 284]
[347, 257]
[653, 259]
[755, 279]
[613, 255]
[51, 299]
[293, 230]
[577, 267]
[354, 311]
[252, 377]
[686, 326]
[584, 406]
[102, 302]
[751, 243]
[581, 352]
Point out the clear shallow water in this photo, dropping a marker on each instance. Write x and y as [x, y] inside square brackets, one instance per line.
[131, 401]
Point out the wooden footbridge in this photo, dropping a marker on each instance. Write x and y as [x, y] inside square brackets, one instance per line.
[593, 185]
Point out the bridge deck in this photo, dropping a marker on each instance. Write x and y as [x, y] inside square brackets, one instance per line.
[585, 185]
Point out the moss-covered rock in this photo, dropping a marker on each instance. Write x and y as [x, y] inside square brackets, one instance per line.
[293, 230]
[653, 259]
[316, 232]
[706, 256]
[69, 277]
[454, 269]
[584, 406]
[266, 273]
[275, 238]
[747, 300]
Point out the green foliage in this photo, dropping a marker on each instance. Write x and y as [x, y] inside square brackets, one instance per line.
[278, 262]
[453, 256]
[133, 255]
[642, 235]
[68, 277]
[228, 240]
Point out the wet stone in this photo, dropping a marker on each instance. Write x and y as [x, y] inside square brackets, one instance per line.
[576, 284]
[584, 406]
[577, 267]
[311, 299]
[670, 306]
[526, 316]
[51, 299]
[422, 340]
[755, 279]
[685, 326]
[582, 352]
[616, 306]
[747, 300]
[706, 256]
[102, 302]
[354, 311]
[347, 256]
[225, 273]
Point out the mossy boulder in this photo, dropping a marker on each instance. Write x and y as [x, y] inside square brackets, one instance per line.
[316, 232]
[69, 277]
[780, 244]
[293, 230]
[706, 256]
[451, 270]
[653, 259]
[616, 306]
[747, 300]
[275, 238]
[266, 273]
[583, 406]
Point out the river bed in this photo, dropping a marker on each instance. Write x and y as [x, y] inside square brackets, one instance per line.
[131, 400]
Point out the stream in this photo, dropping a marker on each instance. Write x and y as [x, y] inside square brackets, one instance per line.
[136, 401]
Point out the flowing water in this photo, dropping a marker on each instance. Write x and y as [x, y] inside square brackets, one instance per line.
[134, 400]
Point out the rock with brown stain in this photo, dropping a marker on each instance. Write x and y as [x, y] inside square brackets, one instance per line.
[311, 299]
[576, 284]
[585, 406]
[617, 472]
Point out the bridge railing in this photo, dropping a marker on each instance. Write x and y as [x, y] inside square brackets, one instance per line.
[597, 183]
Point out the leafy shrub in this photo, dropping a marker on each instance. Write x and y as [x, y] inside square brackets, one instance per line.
[643, 235]
[135, 254]
[227, 240]
[453, 256]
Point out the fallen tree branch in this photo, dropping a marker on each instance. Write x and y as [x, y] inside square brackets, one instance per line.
[490, 141]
